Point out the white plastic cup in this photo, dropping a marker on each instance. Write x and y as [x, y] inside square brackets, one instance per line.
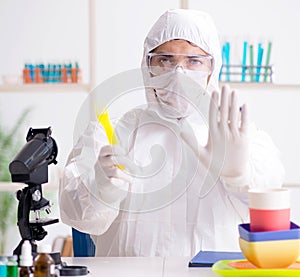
[269, 210]
[269, 199]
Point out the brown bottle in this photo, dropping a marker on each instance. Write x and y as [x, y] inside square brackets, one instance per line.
[43, 263]
[26, 261]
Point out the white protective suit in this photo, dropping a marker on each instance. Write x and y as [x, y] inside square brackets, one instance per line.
[162, 214]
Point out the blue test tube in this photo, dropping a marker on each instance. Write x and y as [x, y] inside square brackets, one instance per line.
[227, 56]
[260, 52]
[32, 75]
[244, 61]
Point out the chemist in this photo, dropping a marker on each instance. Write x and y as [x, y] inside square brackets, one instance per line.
[175, 183]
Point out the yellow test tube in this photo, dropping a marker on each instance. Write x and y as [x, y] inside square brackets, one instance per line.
[104, 120]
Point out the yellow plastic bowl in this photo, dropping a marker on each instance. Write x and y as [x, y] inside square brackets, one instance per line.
[271, 254]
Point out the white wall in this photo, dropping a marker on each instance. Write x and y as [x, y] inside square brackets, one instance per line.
[43, 31]
[257, 21]
[276, 111]
[121, 27]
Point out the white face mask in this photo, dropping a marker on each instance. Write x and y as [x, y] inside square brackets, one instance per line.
[176, 93]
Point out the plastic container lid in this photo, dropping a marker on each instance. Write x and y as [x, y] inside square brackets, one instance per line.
[73, 271]
[12, 258]
[3, 259]
[26, 255]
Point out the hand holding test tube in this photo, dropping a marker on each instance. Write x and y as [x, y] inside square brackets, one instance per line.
[104, 120]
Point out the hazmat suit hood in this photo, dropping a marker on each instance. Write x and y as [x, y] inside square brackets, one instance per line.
[194, 26]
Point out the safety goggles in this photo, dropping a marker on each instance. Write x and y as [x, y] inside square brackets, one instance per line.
[160, 63]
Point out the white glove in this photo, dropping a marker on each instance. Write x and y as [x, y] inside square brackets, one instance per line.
[108, 161]
[112, 181]
[227, 151]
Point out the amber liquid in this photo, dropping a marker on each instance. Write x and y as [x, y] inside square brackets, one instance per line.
[44, 266]
[26, 271]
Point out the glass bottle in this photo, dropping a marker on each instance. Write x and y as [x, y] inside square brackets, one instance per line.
[12, 266]
[44, 265]
[3, 266]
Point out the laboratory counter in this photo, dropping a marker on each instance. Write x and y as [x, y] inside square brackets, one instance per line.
[140, 266]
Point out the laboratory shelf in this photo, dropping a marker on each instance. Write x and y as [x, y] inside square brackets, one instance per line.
[87, 87]
[44, 87]
[261, 85]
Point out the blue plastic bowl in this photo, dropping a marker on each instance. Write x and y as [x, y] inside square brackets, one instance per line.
[246, 234]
